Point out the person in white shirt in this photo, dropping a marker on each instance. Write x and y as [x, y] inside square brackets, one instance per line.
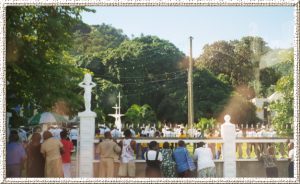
[115, 133]
[106, 129]
[153, 159]
[143, 132]
[22, 135]
[151, 132]
[167, 133]
[102, 130]
[132, 131]
[272, 133]
[127, 161]
[204, 157]
[147, 131]
[73, 136]
[56, 134]
[198, 134]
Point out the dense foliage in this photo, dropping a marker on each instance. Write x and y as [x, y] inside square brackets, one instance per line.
[39, 70]
[49, 49]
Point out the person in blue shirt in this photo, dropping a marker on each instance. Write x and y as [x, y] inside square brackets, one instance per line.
[16, 155]
[179, 156]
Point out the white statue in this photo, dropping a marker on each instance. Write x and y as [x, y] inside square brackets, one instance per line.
[87, 84]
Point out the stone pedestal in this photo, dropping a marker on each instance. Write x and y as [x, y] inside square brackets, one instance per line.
[229, 147]
[86, 143]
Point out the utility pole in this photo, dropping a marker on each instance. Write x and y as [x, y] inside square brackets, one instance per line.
[190, 88]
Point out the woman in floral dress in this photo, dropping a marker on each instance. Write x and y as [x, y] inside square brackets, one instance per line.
[168, 164]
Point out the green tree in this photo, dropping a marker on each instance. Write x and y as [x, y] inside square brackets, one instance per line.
[39, 70]
[268, 76]
[205, 124]
[134, 65]
[92, 40]
[284, 108]
[139, 115]
[237, 59]
[210, 94]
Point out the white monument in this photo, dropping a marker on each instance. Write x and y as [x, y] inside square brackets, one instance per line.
[87, 84]
[229, 147]
[118, 115]
[86, 131]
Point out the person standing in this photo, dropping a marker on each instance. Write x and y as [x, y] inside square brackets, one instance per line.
[52, 149]
[115, 133]
[66, 156]
[132, 131]
[153, 160]
[269, 162]
[15, 155]
[181, 161]
[127, 164]
[74, 136]
[168, 165]
[107, 150]
[182, 135]
[35, 161]
[291, 159]
[204, 157]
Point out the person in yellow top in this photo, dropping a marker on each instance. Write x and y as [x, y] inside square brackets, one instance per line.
[182, 135]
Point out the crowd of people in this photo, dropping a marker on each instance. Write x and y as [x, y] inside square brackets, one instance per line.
[179, 131]
[164, 162]
[43, 155]
[48, 154]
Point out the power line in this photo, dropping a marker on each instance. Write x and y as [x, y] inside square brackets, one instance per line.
[146, 82]
[179, 72]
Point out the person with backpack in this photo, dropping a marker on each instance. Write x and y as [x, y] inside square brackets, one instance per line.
[153, 159]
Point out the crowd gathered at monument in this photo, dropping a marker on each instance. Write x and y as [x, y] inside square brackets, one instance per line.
[48, 153]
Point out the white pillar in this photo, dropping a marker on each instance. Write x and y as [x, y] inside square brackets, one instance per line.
[229, 147]
[86, 141]
[8, 116]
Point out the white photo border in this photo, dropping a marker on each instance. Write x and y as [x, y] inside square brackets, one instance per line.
[170, 3]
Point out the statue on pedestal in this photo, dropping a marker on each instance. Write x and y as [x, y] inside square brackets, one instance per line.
[87, 84]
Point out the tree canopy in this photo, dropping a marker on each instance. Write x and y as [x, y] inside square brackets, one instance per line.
[49, 49]
[39, 70]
